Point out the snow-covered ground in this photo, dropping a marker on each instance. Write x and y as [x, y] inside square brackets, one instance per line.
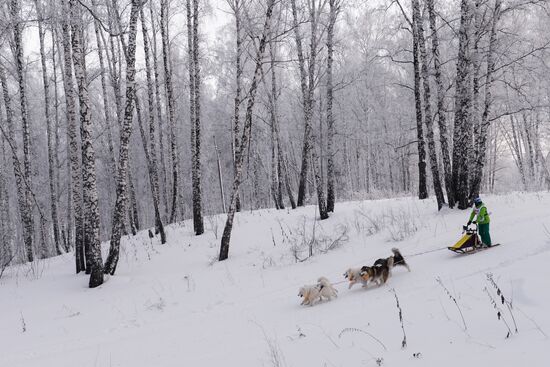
[174, 305]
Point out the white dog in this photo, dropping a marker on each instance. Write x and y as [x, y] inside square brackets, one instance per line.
[327, 290]
[312, 294]
[354, 276]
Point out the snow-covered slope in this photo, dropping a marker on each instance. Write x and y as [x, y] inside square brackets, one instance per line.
[174, 305]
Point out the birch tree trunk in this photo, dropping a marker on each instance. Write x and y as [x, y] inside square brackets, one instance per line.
[315, 12]
[24, 209]
[422, 186]
[6, 228]
[122, 175]
[170, 100]
[133, 216]
[463, 103]
[159, 227]
[237, 6]
[226, 237]
[220, 176]
[55, 57]
[302, 186]
[163, 176]
[74, 195]
[334, 6]
[276, 155]
[106, 105]
[27, 216]
[49, 129]
[92, 242]
[307, 84]
[195, 111]
[151, 152]
[481, 139]
[442, 121]
[428, 121]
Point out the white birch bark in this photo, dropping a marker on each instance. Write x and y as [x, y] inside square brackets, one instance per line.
[151, 151]
[92, 241]
[126, 130]
[27, 215]
[170, 102]
[441, 116]
[244, 141]
[428, 118]
[24, 209]
[49, 128]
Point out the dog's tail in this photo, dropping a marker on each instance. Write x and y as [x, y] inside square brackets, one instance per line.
[397, 256]
[399, 259]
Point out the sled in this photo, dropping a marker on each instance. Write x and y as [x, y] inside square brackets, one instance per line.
[470, 242]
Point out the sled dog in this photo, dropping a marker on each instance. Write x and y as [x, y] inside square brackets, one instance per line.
[377, 273]
[327, 290]
[354, 276]
[312, 294]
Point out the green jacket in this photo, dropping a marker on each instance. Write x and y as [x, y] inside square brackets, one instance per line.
[482, 215]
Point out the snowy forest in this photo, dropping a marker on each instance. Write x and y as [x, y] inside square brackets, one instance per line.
[122, 115]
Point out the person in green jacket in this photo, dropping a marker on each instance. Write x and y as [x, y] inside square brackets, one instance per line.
[482, 221]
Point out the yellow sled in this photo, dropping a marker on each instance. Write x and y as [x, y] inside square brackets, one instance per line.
[469, 242]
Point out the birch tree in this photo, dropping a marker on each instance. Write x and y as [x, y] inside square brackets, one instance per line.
[307, 84]
[244, 141]
[150, 152]
[428, 121]
[463, 104]
[237, 7]
[481, 138]
[170, 102]
[73, 149]
[105, 95]
[126, 130]
[9, 136]
[27, 216]
[306, 105]
[158, 105]
[421, 144]
[49, 128]
[92, 241]
[334, 9]
[441, 115]
[195, 111]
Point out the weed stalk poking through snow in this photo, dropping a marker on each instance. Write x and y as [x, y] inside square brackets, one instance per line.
[23, 323]
[503, 299]
[404, 342]
[452, 298]
[356, 330]
[500, 316]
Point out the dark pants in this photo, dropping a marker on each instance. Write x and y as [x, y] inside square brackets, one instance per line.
[484, 234]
